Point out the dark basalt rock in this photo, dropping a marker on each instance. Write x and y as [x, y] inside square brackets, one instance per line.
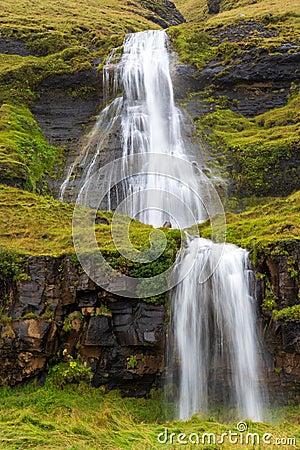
[213, 6]
[240, 31]
[65, 312]
[99, 332]
[165, 13]
[14, 47]
[137, 323]
[64, 111]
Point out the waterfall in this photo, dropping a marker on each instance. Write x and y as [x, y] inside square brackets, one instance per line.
[215, 336]
[150, 124]
[213, 318]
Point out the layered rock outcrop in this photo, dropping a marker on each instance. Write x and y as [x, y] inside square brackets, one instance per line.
[280, 283]
[57, 308]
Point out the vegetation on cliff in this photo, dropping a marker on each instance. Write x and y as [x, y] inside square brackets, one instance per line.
[258, 153]
[269, 227]
[45, 39]
[82, 417]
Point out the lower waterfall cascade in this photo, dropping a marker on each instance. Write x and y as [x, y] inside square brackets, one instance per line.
[213, 322]
[214, 332]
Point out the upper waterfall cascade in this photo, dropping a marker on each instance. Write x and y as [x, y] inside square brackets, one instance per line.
[213, 321]
[149, 124]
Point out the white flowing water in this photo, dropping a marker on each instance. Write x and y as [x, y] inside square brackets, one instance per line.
[214, 322]
[150, 124]
[215, 335]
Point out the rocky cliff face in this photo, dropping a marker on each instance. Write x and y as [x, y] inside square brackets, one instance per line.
[57, 309]
[280, 283]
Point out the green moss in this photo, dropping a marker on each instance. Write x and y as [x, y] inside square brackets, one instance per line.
[291, 314]
[192, 44]
[273, 227]
[25, 155]
[259, 154]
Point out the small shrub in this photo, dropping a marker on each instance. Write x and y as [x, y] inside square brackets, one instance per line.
[68, 372]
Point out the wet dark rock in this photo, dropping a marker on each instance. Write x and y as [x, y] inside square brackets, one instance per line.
[32, 334]
[125, 344]
[58, 307]
[261, 68]
[213, 6]
[14, 47]
[164, 12]
[291, 338]
[99, 332]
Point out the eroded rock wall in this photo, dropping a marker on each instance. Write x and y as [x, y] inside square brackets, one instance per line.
[280, 283]
[55, 307]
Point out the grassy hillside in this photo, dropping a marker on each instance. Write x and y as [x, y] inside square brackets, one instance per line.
[44, 39]
[266, 227]
[258, 153]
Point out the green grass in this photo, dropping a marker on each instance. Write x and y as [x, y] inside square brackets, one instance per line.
[79, 417]
[65, 37]
[269, 228]
[261, 152]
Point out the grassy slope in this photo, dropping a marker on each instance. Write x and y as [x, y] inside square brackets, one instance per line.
[266, 227]
[261, 150]
[46, 418]
[35, 225]
[64, 37]
[77, 418]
